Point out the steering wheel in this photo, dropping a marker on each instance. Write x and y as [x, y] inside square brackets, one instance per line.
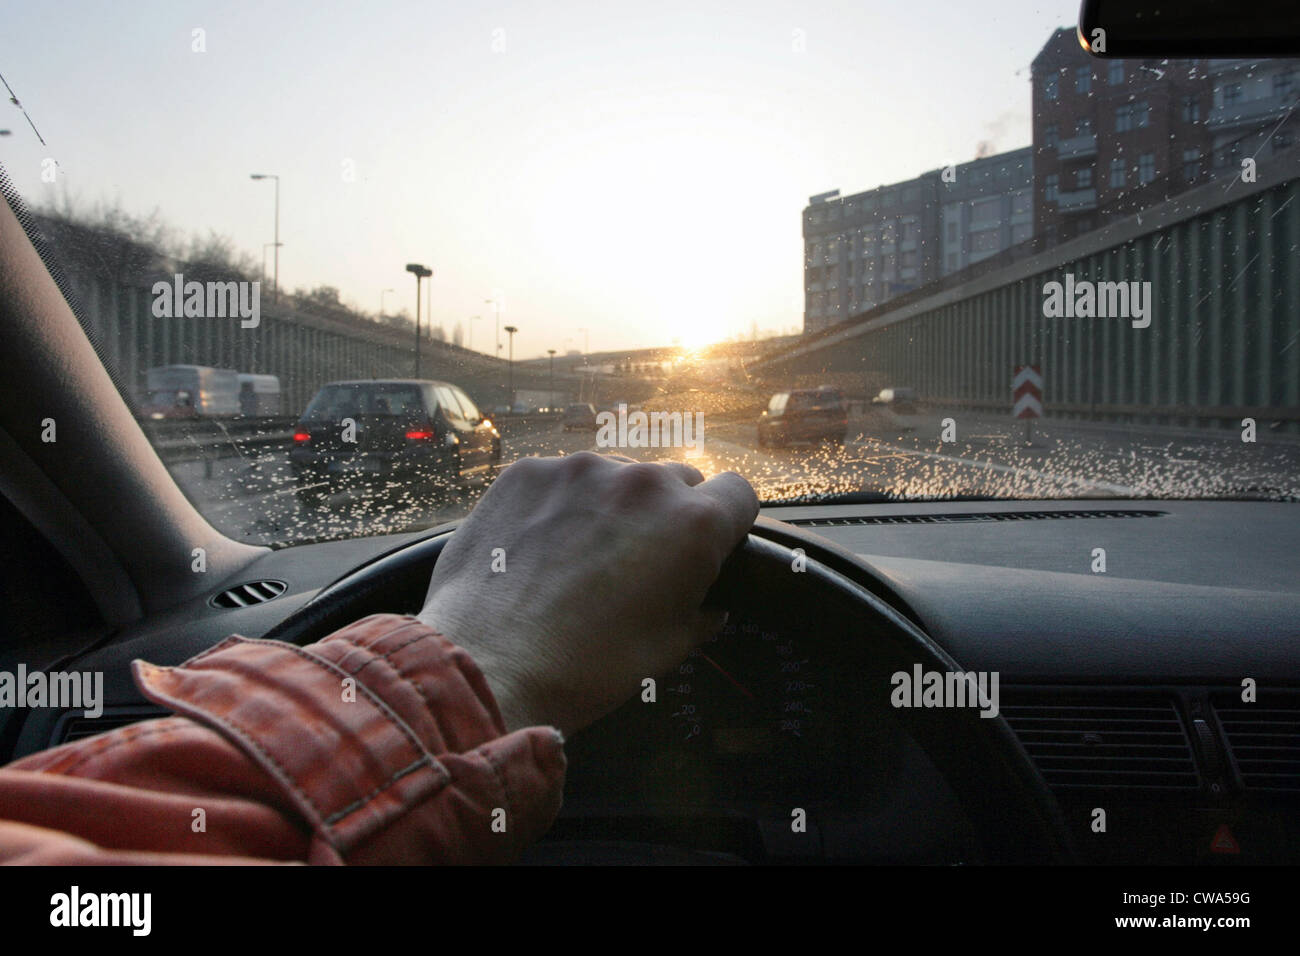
[1013, 814]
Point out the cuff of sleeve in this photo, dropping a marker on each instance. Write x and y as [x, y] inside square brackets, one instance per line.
[380, 719]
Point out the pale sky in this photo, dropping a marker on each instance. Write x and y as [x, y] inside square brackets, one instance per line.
[634, 169]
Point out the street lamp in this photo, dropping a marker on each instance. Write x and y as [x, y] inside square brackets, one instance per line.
[511, 387]
[276, 289]
[420, 272]
[265, 246]
[497, 303]
[551, 402]
[381, 300]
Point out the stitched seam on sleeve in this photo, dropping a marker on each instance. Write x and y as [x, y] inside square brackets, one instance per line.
[385, 710]
[501, 782]
[385, 656]
[362, 801]
[175, 725]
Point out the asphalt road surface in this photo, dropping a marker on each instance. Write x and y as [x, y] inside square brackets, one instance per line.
[906, 457]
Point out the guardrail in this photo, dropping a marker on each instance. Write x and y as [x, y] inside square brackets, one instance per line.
[211, 439]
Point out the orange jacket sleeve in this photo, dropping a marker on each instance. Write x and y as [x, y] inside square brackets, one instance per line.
[380, 744]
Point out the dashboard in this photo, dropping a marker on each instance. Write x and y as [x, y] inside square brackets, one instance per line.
[1159, 686]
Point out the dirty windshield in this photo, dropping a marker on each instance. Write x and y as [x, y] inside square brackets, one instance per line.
[346, 266]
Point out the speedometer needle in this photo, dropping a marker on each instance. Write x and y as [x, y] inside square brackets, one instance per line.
[735, 683]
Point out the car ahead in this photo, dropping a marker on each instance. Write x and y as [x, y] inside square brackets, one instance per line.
[803, 414]
[901, 401]
[580, 417]
[390, 432]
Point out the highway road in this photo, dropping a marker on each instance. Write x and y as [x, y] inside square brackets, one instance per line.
[252, 499]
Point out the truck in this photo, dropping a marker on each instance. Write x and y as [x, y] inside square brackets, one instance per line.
[191, 391]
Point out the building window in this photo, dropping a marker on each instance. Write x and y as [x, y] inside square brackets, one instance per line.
[1284, 83]
[1142, 113]
[1118, 175]
[986, 211]
[1084, 126]
[910, 229]
[1083, 178]
[1051, 187]
[1050, 135]
[1191, 110]
[952, 261]
[1191, 165]
[908, 260]
[1231, 94]
[1083, 79]
[1124, 118]
[952, 232]
[1146, 168]
[987, 241]
[1050, 87]
[1021, 203]
[1116, 74]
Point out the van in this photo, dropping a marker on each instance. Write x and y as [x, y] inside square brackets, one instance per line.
[190, 391]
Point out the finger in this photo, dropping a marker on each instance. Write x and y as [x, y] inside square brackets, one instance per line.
[687, 473]
[738, 501]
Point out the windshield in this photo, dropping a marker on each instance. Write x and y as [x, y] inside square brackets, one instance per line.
[930, 253]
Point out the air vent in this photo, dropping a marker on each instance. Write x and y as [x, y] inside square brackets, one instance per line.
[961, 518]
[1264, 740]
[1089, 741]
[77, 727]
[253, 592]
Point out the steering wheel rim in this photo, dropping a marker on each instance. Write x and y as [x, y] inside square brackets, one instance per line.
[1014, 815]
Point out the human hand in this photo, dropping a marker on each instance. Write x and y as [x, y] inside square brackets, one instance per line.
[602, 567]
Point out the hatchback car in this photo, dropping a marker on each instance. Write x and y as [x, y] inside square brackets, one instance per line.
[390, 432]
[803, 414]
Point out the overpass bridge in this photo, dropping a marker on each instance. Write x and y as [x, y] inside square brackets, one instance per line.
[1222, 343]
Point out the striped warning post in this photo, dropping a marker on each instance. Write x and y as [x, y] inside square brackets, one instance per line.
[1027, 392]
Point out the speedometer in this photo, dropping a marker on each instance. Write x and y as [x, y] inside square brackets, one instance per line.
[747, 690]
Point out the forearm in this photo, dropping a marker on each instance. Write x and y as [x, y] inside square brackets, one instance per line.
[380, 744]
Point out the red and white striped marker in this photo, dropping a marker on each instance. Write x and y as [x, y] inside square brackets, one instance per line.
[1027, 392]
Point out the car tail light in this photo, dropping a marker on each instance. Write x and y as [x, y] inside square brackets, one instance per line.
[421, 434]
[301, 437]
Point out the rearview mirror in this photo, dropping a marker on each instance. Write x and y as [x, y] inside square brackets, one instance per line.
[1189, 28]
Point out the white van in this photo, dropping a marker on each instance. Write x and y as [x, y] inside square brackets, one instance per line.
[259, 395]
[190, 391]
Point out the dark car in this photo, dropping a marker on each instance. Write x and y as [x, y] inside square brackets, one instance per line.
[390, 432]
[803, 414]
[580, 417]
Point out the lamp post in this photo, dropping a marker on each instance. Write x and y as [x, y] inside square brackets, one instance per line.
[497, 304]
[265, 246]
[420, 272]
[275, 294]
[551, 400]
[511, 387]
[381, 300]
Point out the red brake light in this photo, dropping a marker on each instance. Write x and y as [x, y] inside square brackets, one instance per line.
[302, 436]
[420, 434]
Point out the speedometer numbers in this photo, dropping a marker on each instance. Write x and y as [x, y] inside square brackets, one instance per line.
[746, 690]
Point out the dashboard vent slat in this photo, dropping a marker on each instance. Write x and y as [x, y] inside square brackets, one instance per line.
[248, 593]
[1264, 739]
[963, 517]
[1085, 741]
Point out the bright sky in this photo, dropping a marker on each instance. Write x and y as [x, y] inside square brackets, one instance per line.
[635, 170]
